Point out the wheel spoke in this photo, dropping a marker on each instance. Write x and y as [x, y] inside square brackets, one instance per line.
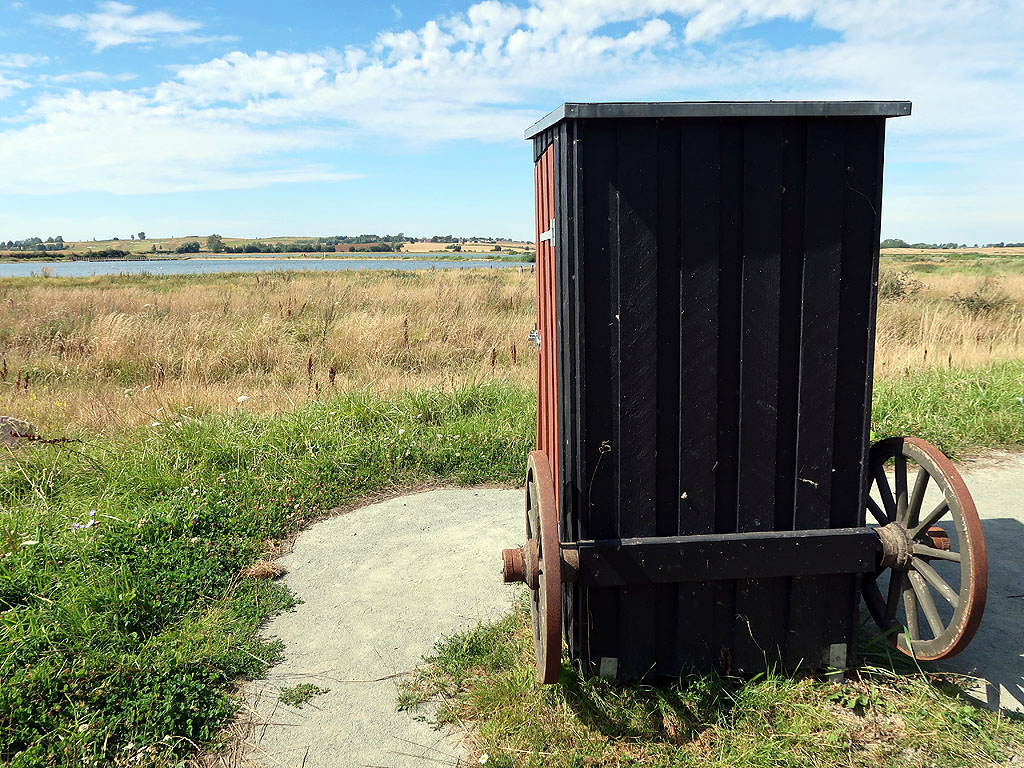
[895, 589]
[901, 487]
[917, 497]
[936, 554]
[924, 597]
[936, 581]
[910, 606]
[885, 492]
[932, 519]
[877, 512]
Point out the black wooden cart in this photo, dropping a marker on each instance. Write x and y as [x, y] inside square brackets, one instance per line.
[707, 276]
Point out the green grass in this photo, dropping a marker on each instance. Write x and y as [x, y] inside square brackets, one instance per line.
[486, 677]
[123, 620]
[957, 409]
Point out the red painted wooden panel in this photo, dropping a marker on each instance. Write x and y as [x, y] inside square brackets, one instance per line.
[547, 371]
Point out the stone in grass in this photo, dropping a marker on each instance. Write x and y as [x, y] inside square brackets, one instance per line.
[12, 430]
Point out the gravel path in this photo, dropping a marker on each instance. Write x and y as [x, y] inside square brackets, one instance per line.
[379, 585]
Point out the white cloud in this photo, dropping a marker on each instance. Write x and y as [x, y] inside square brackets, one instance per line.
[10, 85]
[487, 73]
[124, 143]
[21, 60]
[115, 23]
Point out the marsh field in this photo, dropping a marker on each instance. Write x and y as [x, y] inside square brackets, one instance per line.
[123, 351]
[199, 421]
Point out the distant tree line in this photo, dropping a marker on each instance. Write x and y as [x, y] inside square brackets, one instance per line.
[895, 242]
[373, 243]
[35, 244]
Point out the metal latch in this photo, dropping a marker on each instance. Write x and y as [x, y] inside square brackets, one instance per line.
[550, 234]
[534, 336]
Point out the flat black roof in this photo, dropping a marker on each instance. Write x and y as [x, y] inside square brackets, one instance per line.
[571, 110]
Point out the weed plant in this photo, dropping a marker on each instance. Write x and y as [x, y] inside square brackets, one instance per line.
[123, 618]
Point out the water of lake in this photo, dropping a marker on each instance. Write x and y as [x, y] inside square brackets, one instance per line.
[206, 266]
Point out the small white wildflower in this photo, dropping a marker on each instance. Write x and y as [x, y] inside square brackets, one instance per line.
[401, 431]
[483, 758]
[155, 424]
[83, 728]
[241, 398]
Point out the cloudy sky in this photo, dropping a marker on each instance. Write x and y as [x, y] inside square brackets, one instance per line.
[337, 117]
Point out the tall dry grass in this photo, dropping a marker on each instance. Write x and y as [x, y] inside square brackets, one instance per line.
[123, 350]
[948, 319]
[105, 351]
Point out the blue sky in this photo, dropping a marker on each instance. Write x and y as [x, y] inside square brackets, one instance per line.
[309, 118]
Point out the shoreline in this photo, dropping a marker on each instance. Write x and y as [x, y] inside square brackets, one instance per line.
[365, 256]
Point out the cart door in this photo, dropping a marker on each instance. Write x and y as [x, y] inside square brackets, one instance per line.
[547, 371]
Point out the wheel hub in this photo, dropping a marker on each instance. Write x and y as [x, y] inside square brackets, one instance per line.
[897, 546]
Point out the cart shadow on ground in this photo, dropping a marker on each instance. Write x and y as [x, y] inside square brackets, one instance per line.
[996, 655]
[995, 658]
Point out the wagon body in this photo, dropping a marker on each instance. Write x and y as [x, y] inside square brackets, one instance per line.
[706, 306]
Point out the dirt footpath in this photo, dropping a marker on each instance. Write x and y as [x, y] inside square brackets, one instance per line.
[379, 586]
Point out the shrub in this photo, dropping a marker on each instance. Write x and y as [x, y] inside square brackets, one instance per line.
[989, 299]
[897, 286]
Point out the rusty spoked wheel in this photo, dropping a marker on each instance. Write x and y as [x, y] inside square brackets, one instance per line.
[539, 564]
[934, 565]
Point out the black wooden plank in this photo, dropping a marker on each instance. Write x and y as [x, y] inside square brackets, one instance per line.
[669, 641]
[730, 259]
[862, 201]
[699, 214]
[636, 320]
[790, 316]
[819, 333]
[759, 376]
[596, 146]
[715, 557]
[790, 278]
[670, 306]
[819, 330]
[730, 255]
